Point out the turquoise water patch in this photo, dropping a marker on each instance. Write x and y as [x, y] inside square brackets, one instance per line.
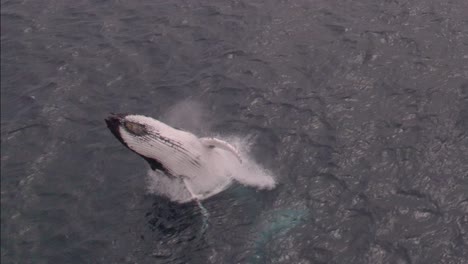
[281, 221]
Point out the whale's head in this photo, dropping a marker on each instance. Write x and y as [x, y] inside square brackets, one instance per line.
[125, 126]
[138, 133]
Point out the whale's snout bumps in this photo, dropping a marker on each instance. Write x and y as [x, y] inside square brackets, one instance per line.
[200, 167]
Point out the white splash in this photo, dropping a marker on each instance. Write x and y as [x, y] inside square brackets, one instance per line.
[248, 173]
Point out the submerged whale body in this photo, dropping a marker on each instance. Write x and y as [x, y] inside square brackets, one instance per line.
[180, 161]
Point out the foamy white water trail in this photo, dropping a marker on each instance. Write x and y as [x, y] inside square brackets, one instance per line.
[226, 169]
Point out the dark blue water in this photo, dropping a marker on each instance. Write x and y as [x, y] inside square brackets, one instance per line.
[359, 107]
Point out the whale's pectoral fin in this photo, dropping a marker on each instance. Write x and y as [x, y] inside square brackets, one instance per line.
[214, 142]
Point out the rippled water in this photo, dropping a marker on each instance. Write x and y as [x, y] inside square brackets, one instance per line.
[360, 108]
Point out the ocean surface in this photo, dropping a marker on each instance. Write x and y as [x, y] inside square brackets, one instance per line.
[359, 108]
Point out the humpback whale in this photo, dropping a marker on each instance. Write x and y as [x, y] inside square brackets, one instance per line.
[203, 165]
